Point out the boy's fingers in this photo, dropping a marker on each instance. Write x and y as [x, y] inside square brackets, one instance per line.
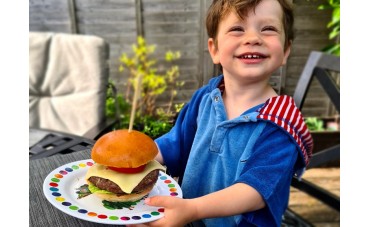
[158, 201]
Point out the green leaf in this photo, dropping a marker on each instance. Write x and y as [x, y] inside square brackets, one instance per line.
[324, 7]
[332, 49]
[333, 34]
[121, 68]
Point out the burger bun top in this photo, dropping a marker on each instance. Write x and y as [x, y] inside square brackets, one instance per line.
[124, 149]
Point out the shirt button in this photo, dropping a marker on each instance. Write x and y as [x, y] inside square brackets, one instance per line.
[246, 117]
[216, 99]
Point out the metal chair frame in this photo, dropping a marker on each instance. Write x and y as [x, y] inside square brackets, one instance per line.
[320, 66]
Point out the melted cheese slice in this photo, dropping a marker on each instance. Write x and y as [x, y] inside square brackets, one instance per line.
[127, 182]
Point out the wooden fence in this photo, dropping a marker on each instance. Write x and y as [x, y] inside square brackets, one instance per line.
[178, 25]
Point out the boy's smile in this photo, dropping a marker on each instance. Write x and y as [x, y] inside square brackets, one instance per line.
[252, 47]
[251, 57]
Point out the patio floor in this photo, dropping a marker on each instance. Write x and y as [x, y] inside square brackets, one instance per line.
[316, 212]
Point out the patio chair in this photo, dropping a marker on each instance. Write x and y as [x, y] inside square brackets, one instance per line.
[68, 81]
[320, 66]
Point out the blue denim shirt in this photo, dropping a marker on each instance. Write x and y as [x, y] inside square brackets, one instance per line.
[210, 153]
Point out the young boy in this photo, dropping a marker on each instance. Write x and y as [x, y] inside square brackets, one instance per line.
[237, 144]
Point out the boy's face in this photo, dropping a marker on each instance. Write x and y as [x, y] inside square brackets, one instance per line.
[253, 47]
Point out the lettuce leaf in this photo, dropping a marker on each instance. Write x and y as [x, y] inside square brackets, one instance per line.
[94, 189]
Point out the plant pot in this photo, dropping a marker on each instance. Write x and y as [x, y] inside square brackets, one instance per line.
[323, 140]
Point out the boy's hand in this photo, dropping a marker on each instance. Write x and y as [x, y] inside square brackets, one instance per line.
[240, 197]
[177, 212]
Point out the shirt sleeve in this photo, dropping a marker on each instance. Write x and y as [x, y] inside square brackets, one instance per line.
[269, 170]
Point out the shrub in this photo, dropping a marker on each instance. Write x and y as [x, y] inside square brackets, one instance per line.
[149, 117]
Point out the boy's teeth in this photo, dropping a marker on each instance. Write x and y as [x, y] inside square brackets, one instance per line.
[250, 56]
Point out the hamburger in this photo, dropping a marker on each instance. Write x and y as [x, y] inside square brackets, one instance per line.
[124, 168]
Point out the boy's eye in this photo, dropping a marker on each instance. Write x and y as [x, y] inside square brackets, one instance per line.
[269, 28]
[236, 29]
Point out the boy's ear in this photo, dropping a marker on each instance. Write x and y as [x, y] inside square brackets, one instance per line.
[213, 51]
[286, 54]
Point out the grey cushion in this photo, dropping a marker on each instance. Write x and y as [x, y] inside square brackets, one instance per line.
[68, 77]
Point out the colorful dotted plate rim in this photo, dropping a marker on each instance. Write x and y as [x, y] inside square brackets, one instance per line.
[60, 187]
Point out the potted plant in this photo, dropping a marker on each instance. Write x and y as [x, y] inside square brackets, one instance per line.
[325, 133]
[149, 118]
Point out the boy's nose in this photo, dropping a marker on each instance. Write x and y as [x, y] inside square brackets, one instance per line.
[252, 38]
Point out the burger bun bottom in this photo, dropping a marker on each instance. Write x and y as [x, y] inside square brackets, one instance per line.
[124, 198]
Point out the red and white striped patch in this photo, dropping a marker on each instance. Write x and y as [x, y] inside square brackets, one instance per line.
[283, 112]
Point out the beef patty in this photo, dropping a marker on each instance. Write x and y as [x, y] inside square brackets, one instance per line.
[110, 186]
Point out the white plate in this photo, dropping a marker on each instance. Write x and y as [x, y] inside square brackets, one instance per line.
[61, 186]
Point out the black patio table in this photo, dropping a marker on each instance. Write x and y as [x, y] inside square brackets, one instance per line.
[45, 142]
